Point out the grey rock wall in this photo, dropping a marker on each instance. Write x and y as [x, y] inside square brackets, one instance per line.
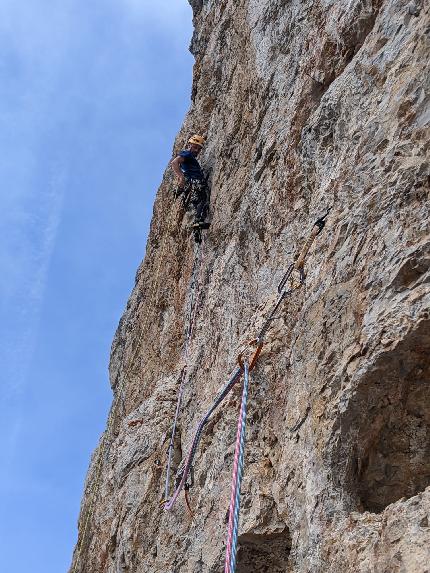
[305, 105]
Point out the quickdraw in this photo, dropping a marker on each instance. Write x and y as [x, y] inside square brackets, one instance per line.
[284, 289]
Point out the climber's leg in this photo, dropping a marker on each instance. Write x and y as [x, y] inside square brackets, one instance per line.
[200, 201]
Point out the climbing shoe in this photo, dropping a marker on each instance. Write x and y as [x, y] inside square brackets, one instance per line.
[197, 235]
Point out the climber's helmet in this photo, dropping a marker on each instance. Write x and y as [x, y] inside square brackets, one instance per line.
[197, 140]
[196, 143]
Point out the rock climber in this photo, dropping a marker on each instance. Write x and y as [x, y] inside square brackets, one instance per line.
[191, 180]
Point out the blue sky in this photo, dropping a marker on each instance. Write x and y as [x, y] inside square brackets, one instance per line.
[91, 97]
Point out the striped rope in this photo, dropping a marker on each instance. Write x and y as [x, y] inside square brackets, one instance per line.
[239, 454]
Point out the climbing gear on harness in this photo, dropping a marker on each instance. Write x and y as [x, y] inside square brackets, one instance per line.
[197, 236]
[197, 140]
[233, 515]
[200, 225]
[197, 229]
[258, 341]
[195, 193]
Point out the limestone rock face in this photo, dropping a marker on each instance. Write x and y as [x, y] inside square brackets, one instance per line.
[305, 105]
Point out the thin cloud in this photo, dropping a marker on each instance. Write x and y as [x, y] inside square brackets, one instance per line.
[30, 67]
[24, 271]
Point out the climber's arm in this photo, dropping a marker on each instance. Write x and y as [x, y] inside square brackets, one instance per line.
[176, 166]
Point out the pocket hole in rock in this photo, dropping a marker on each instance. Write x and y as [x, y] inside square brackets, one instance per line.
[385, 430]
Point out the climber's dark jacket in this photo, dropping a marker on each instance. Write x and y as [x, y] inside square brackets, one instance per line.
[190, 166]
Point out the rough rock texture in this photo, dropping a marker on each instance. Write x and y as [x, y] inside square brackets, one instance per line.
[305, 104]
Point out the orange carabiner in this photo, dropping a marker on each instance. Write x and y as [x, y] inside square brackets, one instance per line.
[255, 356]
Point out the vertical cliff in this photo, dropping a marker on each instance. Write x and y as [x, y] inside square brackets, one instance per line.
[305, 105]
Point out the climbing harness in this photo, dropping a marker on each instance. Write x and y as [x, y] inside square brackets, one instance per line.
[190, 321]
[196, 192]
[234, 510]
[286, 286]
